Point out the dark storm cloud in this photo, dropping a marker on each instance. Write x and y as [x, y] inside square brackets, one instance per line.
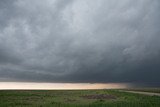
[80, 41]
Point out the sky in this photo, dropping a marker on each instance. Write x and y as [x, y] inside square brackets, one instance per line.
[80, 41]
[59, 86]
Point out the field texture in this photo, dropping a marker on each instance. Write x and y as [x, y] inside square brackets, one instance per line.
[77, 98]
[153, 90]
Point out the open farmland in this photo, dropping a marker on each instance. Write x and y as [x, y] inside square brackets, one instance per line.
[75, 98]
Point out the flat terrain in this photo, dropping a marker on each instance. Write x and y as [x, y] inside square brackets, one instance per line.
[76, 98]
[144, 93]
[152, 90]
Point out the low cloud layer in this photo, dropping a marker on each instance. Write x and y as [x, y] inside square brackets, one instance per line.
[96, 41]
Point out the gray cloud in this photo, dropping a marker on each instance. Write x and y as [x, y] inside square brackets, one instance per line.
[80, 41]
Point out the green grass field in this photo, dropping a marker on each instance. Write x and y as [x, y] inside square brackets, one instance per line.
[153, 90]
[75, 98]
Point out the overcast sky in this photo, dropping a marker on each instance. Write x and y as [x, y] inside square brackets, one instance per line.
[80, 41]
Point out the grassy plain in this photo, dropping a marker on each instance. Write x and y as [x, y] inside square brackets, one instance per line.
[75, 98]
[152, 90]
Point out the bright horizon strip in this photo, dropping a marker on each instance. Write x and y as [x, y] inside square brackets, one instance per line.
[59, 86]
